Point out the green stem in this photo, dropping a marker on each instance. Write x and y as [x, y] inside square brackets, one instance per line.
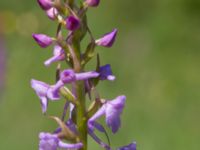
[79, 89]
[81, 119]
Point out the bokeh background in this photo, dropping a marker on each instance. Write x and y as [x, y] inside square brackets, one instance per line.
[156, 59]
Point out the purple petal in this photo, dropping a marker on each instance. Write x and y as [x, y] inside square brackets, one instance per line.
[53, 92]
[113, 111]
[48, 141]
[108, 39]
[131, 146]
[44, 104]
[52, 142]
[113, 119]
[98, 114]
[70, 124]
[70, 146]
[58, 55]
[67, 76]
[40, 88]
[49, 61]
[118, 102]
[57, 50]
[92, 3]
[42, 40]
[52, 13]
[45, 4]
[72, 23]
[106, 73]
[86, 75]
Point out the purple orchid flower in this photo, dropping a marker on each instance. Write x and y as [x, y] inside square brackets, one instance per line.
[111, 110]
[52, 13]
[69, 76]
[43, 40]
[108, 39]
[58, 55]
[92, 3]
[43, 90]
[106, 73]
[72, 23]
[131, 146]
[52, 142]
[45, 4]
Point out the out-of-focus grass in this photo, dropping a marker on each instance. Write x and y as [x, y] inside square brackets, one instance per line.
[155, 58]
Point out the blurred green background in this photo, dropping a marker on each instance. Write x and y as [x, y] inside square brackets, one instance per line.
[156, 59]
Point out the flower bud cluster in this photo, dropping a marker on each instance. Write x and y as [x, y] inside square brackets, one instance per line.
[75, 83]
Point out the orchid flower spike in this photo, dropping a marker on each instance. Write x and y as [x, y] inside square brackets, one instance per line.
[112, 111]
[108, 39]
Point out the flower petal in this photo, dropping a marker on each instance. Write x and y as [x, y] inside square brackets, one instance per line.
[43, 40]
[131, 146]
[108, 39]
[92, 3]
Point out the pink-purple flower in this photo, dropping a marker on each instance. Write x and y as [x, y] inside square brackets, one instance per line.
[72, 23]
[43, 40]
[106, 73]
[69, 76]
[52, 142]
[43, 91]
[92, 3]
[45, 4]
[131, 146]
[58, 55]
[52, 13]
[112, 111]
[108, 39]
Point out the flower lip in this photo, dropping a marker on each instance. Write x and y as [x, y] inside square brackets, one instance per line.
[112, 111]
[39, 87]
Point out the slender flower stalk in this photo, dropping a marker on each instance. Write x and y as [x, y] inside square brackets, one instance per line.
[75, 82]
